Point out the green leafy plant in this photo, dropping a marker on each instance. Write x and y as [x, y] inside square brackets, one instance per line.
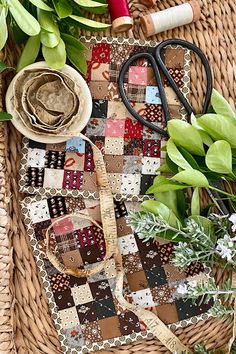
[52, 26]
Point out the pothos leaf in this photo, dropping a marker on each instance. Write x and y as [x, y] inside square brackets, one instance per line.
[4, 116]
[63, 8]
[87, 23]
[89, 3]
[4, 67]
[175, 155]
[23, 18]
[3, 27]
[159, 208]
[29, 53]
[219, 157]
[55, 57]
[41, 5]
[195, 202]
[221, 106]
[192, 178]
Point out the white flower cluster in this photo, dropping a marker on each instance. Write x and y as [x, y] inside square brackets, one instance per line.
[226, 247]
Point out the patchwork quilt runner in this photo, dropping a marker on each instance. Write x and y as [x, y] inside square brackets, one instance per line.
[132, 152]
[86, 313]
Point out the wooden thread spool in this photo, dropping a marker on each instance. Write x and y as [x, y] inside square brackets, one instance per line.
[171, 18]
[120, 15]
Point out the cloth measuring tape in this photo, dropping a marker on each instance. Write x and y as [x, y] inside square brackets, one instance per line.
[153, 323]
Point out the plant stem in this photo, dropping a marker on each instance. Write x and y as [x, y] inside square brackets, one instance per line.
[223, 192]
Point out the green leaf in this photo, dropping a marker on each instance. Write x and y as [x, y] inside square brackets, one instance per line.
[72, 41]
[189, 158]
[3, 27]
[176, 156]
[219, 157]
[158, 208]
[219, 127]
[89, 3]
[185, 135]
[55, 57]
[171, 165]
[4, 67]
[195, 202]
[192, 178]
[221, 106]
[162, 184]
[96, 10]
[4, 116]
[63, 8]
[50, 34]
[30, 52]
[164, 168]
[75, 52]
[205, 137]
[169, 199]
[23, 18]
[41, 5]
[205, 223]
[181, 203]
[90, 23]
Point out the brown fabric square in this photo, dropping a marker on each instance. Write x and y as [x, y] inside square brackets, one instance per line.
[129, 323]
[175, 111]
[56, 147]
[137, 281]
[132, 263]
[91, 332]
[167, 313]
[162, 294]
[174, 58]
[110, 327]
[74, 204]
[122, 228]
[172, 273]
[72, 259]
[166, 252]
[99, 89]
[59, 282]
[90, 182]
[113, 92]
[151, 77]
[194, 269]
[114, 163]
[91, 254]
[95, 213]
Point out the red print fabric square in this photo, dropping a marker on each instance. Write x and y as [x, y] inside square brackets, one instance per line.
[101, 53]
[138, 75]
[72, 179]
[151, 148]
[133, 129]
[89, 162]
[86, 236]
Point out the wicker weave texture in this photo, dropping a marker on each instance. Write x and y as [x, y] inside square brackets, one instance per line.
[25, 322]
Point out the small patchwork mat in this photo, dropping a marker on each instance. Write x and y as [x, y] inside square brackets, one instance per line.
[132, 152]
[86, 313]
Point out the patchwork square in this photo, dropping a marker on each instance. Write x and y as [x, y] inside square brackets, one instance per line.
[115, 182]
[137, 281]
[129, 323]
[133, 147]
[151, 148]
[133, 129]
[72, 179]
[91, 254]
[96, 127]
[123, 228]
[167, 313]
[63, 226]
[120, 209]
[99, 89]
[156, 276]
[110, 327]
[101, 53]
[74, 337]
[117, 110]
[105, 308]
[64, 299]
[39, 211]
[114, 146]
[87, 236]
[127, 244]
[138, 75]
[74, 161]
[153, 113]
[113, 91]
[150, 165]
[56, 206]
[100, 72]
[130, 183]
[72, 259]
[91, 332]
[114, 70]
[132, 164]
[69, 318]
[146, 182]
[115, 128]
[74, 204]
[59, 282]
[99, 109]
[87, 312]
[36, 157]
[152, 95]
[75, 145]
[143, 298]
[135, 92]
[34, 177]
[55, 159]
[162, 294]
[132, 263]
[114, 163]
[81, 294]
[89, 182]
[165, 252]
[66, 243]
[53, 178]
[101, 290]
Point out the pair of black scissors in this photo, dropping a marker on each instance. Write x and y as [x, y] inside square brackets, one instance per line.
[158, 65]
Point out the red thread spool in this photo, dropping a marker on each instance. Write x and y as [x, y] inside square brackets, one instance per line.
[120, 15]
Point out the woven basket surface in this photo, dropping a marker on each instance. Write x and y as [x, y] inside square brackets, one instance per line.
[25, 322]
